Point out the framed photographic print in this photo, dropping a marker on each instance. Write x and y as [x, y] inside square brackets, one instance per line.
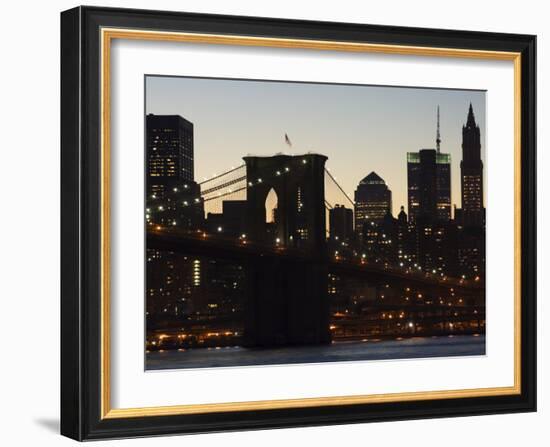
[275, 223]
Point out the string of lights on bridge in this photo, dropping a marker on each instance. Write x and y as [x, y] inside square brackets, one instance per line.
[231, 187]
[227, 188]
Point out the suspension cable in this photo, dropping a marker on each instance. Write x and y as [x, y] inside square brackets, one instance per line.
[339, 187]
[223, 185]
[222, 174]
[207, 199]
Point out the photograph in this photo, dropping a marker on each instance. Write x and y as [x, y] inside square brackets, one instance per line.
[295, 222]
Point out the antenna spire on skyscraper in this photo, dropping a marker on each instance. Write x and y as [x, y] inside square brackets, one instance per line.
[438, 135]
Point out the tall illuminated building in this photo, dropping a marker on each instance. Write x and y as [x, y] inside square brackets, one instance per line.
[372, 201]
[173, 197]
[169, 153]
[429, 183]
[433, 235]
[471, 173]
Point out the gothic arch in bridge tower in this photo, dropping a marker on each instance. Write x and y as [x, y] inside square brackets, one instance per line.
[298, 182]
[271, 203]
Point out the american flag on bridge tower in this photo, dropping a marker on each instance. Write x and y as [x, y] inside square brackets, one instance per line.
[287, 140]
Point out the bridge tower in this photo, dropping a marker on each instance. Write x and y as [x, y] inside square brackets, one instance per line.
[298, 182]
[287, 295]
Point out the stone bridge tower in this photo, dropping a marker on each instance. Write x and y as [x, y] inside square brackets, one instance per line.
[287, 297]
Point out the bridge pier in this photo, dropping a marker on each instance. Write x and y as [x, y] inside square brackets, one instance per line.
[287, 303]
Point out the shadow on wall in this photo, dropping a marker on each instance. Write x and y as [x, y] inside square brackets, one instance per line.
[49, 424]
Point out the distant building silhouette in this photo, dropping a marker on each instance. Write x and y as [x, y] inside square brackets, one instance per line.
[372, 201]
[173, 197]
[471, 217]
[433, 235]
[341, 223]
[429, 185]
[404, 246]
[437, 247]
[471, 251]
[169, 152]
[231, 221]
[471, 173]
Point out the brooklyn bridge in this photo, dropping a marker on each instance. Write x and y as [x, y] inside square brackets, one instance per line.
[269, 215]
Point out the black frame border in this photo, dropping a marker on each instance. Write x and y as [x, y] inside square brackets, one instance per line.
[81, 223]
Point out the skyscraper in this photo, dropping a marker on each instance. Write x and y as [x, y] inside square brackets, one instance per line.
[173, 197]
[429, 197]
[169, 153]
[372, 201]
[471, 173]
[429, 183]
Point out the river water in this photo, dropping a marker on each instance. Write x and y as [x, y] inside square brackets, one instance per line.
[407, 348]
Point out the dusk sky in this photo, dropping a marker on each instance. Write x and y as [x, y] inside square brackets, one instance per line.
[359, 128]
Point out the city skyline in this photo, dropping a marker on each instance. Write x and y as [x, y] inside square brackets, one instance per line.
[402, 120]
[272, 252]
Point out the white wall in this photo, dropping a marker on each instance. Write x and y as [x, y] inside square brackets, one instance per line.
[29, 178]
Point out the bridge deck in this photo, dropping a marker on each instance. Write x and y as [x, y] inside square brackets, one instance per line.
[203, 244]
